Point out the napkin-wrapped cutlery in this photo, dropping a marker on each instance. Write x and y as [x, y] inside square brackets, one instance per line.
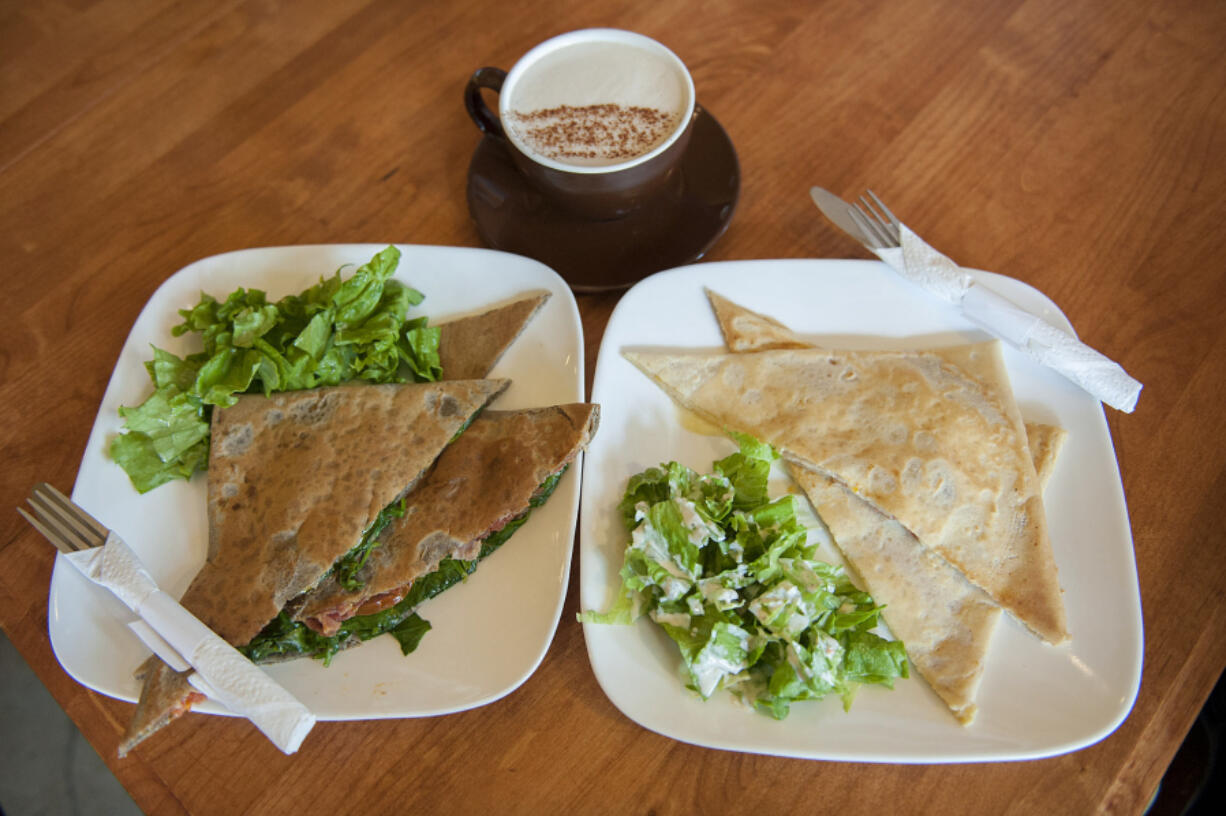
[175, 634]
[915, 260]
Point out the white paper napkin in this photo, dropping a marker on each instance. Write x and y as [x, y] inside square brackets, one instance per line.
[228, 677]
[1051, 346]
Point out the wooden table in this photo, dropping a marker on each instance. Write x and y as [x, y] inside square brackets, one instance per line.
[1076, 146]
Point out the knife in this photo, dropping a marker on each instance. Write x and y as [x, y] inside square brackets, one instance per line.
[1029, 333]
[839, 212]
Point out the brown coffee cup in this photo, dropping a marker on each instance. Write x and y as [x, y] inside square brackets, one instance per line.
[597, 119]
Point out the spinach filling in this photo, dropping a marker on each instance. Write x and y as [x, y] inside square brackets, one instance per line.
[346, 569]
[284, 637]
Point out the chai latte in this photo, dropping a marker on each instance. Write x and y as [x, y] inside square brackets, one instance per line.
[597, 103]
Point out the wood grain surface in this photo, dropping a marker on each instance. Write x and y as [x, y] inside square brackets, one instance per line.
[1079, 147]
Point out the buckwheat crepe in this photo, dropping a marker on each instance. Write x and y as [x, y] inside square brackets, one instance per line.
[294, 480]
[482, 481]
[916, 437]
[468, 347]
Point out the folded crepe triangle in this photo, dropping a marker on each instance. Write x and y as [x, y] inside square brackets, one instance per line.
[481, 482]
[294, 480]
[745, 330]
[468, 347]
[919, 439]
[945, 621]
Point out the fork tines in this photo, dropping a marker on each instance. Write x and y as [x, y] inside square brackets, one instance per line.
[61, 521]
[876, 221]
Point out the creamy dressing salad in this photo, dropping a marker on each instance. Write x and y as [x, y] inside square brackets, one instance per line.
[730, 576]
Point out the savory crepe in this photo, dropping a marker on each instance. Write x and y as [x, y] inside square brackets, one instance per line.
[491, 476]
[468, 347]
[295, 479]
[945, 622]
[916, 437]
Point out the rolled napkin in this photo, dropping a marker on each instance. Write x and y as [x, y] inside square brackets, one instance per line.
[222, 672]
[1053, 347]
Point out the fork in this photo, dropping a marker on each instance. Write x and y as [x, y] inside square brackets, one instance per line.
[62, 522]
[173, 633]
[877, 223]
[66, 525]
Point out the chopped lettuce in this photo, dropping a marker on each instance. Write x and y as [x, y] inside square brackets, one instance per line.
[338, 330]
[730, 576]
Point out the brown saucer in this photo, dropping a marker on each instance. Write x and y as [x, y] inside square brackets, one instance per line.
[676, 228]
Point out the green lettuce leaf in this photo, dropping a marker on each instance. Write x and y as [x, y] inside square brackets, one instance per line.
[338, 330]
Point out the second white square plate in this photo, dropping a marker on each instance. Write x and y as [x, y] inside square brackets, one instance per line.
[1035, 700]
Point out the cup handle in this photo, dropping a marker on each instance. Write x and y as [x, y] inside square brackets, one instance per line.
[485, 119]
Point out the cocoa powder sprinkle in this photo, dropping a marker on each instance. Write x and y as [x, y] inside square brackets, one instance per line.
[608, 131]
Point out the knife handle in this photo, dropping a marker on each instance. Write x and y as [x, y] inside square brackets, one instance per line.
[239, 684]
[159, 645]
[1052, 347]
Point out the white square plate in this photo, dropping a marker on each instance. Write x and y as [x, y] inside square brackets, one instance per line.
[476, 651]
[1035, 700]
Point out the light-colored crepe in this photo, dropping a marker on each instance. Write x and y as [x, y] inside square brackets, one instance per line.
[483, 480]
[916, 437]
[470, 346]
[294, 480]
[1046, 442]
[946, 623]
[745, 330]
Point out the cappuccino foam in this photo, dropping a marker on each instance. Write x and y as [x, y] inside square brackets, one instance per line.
[597, 103]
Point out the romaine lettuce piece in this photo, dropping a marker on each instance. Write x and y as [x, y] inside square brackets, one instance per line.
[731, 577]
[339, 330]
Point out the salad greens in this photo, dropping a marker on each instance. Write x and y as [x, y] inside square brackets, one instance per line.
[285, 638]
[335, 331]
[729, 575]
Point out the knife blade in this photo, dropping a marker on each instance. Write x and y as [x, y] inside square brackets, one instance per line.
[838, 211]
